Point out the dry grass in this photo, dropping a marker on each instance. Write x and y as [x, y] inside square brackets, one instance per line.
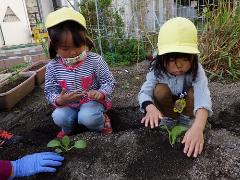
[220, 42]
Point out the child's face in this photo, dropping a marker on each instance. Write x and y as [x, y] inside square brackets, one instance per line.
[178, 66]
[66, 48]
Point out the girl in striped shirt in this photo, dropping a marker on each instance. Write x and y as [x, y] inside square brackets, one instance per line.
[77, 82]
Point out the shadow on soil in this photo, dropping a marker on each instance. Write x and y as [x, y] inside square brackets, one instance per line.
[229, 119]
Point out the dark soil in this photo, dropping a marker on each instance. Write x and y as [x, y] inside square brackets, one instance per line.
[132, 151]
[13, 82]
[229, 119]
[34, 68]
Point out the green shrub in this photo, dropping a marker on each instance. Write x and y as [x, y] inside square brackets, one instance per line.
[125, 52]
[117, 49]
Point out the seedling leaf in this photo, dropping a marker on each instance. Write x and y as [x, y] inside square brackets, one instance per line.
[81, 144]
[66, 141]
[54, 143]
[176, 132]
[64, 144]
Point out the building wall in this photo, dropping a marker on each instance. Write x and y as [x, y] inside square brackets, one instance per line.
[14, 23]
[151, 14]
[18, 17]
[124, 9]
[145, 14]
[38, 10]
[32, 10]
[46, 6]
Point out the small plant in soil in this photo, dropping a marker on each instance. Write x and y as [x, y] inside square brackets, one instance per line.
[17, 68]
[175, 133]
[65, 144]
[13, 81]
[126, 86]
[36, 67]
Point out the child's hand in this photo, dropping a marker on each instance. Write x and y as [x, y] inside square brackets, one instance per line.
[153, 115]
[94, 94]
[193, 141]
[65, 98]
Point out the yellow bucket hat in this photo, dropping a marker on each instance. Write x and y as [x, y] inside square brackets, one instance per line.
[64, 14]
[178, 35]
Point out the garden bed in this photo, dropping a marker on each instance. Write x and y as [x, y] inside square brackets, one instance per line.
[132, 151]
[12, 84]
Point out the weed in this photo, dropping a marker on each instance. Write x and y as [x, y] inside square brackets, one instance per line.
[126, 86]
[17, 68]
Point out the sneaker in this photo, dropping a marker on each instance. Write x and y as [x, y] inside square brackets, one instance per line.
[107, 129]
[7, 138]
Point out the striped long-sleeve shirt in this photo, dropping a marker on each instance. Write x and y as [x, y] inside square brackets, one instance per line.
[91, 74]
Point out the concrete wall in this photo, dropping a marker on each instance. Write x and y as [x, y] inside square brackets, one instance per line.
[150, 13]
[124, 9]
[14, 22]
[38, 10]
[137, 14]
[18, 17]
[33, 13]
[46, 7]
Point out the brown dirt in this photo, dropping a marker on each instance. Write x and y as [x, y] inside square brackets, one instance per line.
[13, 82]
[34, 68]
[132, 151]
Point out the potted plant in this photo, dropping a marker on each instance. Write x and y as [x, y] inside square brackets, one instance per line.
[8, 72]
[15, 88]
[40, 68]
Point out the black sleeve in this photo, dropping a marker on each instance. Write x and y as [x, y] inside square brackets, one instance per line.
[145, 104]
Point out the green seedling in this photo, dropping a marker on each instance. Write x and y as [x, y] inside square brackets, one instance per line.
[126, 86]
[65, 145]
[175, 133]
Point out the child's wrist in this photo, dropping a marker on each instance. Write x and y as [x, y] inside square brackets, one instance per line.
[102, 95]
[150, 107]
[198, 127]
[145, 104]
[58, 102]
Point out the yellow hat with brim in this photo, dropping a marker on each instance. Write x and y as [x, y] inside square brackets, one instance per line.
[178, 35]
[171, 48]
[64, 14]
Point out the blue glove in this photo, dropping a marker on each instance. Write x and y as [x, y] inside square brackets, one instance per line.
[36, 163]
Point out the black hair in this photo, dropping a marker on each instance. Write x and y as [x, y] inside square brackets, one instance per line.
[160, 62]
[78, 32]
